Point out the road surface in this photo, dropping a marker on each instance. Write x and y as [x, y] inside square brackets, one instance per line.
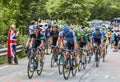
[108, 71]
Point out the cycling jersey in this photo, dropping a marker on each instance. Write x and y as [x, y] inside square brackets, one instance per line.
[37, 40]
[31, 30]
[54, 35]
[47, 32]
[68, 38]
[97, 39]
[83, 42]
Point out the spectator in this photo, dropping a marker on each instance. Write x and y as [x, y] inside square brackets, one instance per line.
[47, 35]
[12, 41]
[31, 31]
[112, 38]
[116, 39]
[109, 35]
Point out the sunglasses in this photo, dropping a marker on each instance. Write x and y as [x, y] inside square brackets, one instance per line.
[97, 29]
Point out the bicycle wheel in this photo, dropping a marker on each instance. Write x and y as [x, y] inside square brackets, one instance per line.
[80, 65]
[85, 62]
[103, 55]
[60, 65]
[66, 69]
[56, 57]
[31, 68]
[41, 65]
[52, 61]
[29, 53]
[89, 58]
[74, 68]
[97, 60]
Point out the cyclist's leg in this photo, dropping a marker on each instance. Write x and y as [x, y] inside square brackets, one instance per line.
[101, 48]
[68, 46]
[46, 45]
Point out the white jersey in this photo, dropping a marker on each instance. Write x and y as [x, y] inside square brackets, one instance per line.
[31, 30]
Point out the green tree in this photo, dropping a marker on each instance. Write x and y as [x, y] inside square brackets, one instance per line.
[72, 11]
[105, 9]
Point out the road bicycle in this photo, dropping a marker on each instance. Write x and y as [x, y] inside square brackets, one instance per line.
[70, 64]
[33, 63]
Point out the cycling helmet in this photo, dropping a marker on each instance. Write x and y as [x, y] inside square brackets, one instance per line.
[66, 28]
[97, 28]
[36, 27]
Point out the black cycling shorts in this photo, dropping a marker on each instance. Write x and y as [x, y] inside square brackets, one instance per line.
[97, 41]
[70, 46]
[82, 44]
[36, 43]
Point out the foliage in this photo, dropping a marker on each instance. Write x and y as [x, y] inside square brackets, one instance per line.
[22, 39]
[21, 54]
[105, 9]
[72, 11]
[3, 59]
[21, 12]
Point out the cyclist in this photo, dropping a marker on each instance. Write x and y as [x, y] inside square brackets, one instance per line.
[89, 40]
[37, 42]
[97, 38]
[54, 36]
[31, 32]
[105, 41]
[47, 35]
[82, 41]
[67, 39]
[112, 38]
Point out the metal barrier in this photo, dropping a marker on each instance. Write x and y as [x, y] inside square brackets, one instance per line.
[3, 51]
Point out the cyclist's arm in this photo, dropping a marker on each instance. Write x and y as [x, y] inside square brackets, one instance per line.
[27, 43]
[31, 42]
[75, 42]
[42, 42]
[102, 38]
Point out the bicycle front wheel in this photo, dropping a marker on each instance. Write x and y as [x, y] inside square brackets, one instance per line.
[66, 69]
[52, 60]
[104, 55]
[80, 65]
[74, 67]
[97, 60]
[60, 65]
[85, 62]
[30, 68]
[41, 67]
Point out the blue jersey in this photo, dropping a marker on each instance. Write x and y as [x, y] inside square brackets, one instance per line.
[47, 32]
[68, 37]
[94, 36]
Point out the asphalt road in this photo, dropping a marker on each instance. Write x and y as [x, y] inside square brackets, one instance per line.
[108, 71]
